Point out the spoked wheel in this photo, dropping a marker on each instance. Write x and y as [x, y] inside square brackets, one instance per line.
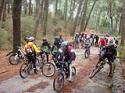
[87, 53]
[58, 82]
[24, 70]
[73, 73]
[48, 69]
[95, 71]
[14, 59]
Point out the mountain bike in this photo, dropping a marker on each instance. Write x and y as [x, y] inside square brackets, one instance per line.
[47, 68]
[87, 51]
[16, 57]
[98, 67]
[58, 82]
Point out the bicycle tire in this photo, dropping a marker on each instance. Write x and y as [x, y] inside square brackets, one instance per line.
[25, 65]
[59, 80]
[13, 61]
[73, 72]
[86, 54]
[45, 68]
[95, 71]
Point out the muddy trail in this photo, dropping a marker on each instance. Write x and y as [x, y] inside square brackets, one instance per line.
[10, 81]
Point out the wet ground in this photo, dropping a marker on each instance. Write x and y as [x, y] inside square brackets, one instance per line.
[10, 81]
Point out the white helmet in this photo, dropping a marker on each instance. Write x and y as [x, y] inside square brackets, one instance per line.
[64, 43]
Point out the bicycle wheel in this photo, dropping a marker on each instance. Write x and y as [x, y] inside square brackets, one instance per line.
[73, 73]
[14, 59]
[58, 82]
[48, 69]
[86, 54]
[24, 70]
[95, 71]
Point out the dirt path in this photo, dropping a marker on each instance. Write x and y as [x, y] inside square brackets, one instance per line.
[12, 83]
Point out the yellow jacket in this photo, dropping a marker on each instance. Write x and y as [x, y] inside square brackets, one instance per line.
[33, 46]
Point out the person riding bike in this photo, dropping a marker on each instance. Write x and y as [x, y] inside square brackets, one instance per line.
[56, 44]
[96, 40]
[110, 53]
[87, 42]
[45, 47]
[67, 55]
[31, 51]
[102, 44]
[76, 40]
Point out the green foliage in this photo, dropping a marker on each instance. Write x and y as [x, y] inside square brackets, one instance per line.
[27, 25]
[5, 39]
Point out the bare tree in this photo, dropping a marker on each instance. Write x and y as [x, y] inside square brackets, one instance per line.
[45, 16]
[84, 12]
[123, 24]
[39, 17]
[16, 23]
[87, 21]
[76, 18]
[56, 6]
[1, 7]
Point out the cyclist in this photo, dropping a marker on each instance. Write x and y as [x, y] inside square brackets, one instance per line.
[102, 44]
[67, 55]
[96, 40]
[45, 47]
[56, 44]
[61, 38]
[87, 42]
[110, 53]
[31, 51]
[76, 40]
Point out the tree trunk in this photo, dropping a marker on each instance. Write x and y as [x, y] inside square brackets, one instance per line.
[123, 24]
[39, 17]
[98, 20]
[76, 18]
[37, 6]
[87, 21]
[72, 8]
[30, 7]
[111, 14]
[84, 10]
[16, 23]
[56, 7]
[4, 13]
[45, 17]
[1, 8]
[8, 8]
[65, 10]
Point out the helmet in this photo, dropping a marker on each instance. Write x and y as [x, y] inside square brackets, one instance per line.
[64, 43]
[44, 39]
[111, 42]
[29, 38]
[57, 37]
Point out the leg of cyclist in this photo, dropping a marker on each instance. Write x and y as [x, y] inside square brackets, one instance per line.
[47, 57]
[34, 63]
[110, 62]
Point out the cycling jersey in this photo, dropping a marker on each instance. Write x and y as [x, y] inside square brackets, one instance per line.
[102, 42]
[46, 46]
[32, 46]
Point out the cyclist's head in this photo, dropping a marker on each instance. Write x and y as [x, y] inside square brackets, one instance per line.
[44, 39]
[29, 39]
[111, 42]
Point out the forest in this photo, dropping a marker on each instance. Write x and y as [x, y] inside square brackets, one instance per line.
[19, 18]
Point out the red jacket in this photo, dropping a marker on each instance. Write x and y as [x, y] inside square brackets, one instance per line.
[102, 42]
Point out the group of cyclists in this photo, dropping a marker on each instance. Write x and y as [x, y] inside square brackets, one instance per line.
[85, 39]
[61, 50]
[107, 46]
